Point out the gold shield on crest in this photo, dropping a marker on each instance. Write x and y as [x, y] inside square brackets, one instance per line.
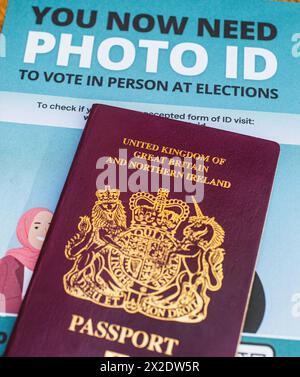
[146, 268]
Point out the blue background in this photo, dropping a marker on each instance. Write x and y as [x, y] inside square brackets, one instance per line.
[34, 160]
[286, 79]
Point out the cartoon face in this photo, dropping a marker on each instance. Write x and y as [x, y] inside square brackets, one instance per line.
[39, 228]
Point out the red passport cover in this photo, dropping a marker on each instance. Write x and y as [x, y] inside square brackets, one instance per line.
[149, 273]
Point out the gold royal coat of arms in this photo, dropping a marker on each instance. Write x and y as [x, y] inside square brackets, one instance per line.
[145, 267]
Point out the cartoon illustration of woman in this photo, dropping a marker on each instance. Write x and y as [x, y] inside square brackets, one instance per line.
[17, 266]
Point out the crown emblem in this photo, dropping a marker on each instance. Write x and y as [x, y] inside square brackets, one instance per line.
[158, 211]
[108, 195]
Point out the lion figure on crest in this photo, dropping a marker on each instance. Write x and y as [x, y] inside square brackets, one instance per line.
[96, 234]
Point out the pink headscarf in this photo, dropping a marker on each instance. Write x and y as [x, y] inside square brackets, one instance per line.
[27, 255]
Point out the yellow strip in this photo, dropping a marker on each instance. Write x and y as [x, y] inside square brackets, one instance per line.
[3, 5]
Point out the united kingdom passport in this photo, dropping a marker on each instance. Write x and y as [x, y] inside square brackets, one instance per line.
[153, 245]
